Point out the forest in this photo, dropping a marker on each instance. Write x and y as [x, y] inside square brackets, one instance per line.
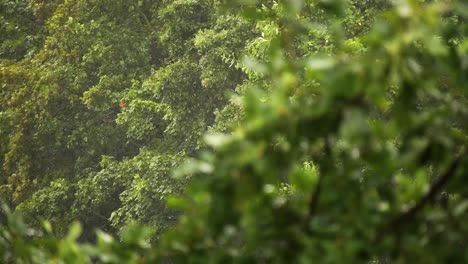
[233, 131]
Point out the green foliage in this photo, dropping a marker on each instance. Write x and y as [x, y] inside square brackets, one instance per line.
[130, 80]
[20, 244]
[345, 141]
[52, 204]
[19, 29]
[389, 165]
[143, 200]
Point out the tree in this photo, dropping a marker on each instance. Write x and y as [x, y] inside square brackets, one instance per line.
[127, 81]
[389, 164]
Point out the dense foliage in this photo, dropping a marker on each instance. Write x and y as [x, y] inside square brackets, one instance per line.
[111, 97]
[343, 139]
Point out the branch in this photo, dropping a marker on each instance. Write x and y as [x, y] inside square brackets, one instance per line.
[408, 215]
[315, 197]
[313, 203]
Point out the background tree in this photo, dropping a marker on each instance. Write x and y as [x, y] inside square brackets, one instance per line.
[131, 82]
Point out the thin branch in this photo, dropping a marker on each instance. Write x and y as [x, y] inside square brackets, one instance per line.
[315, 197]
[318, 188]
[101, 216]
[408, 215]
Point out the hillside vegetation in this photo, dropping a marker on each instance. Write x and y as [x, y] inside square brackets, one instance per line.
[247, 131]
